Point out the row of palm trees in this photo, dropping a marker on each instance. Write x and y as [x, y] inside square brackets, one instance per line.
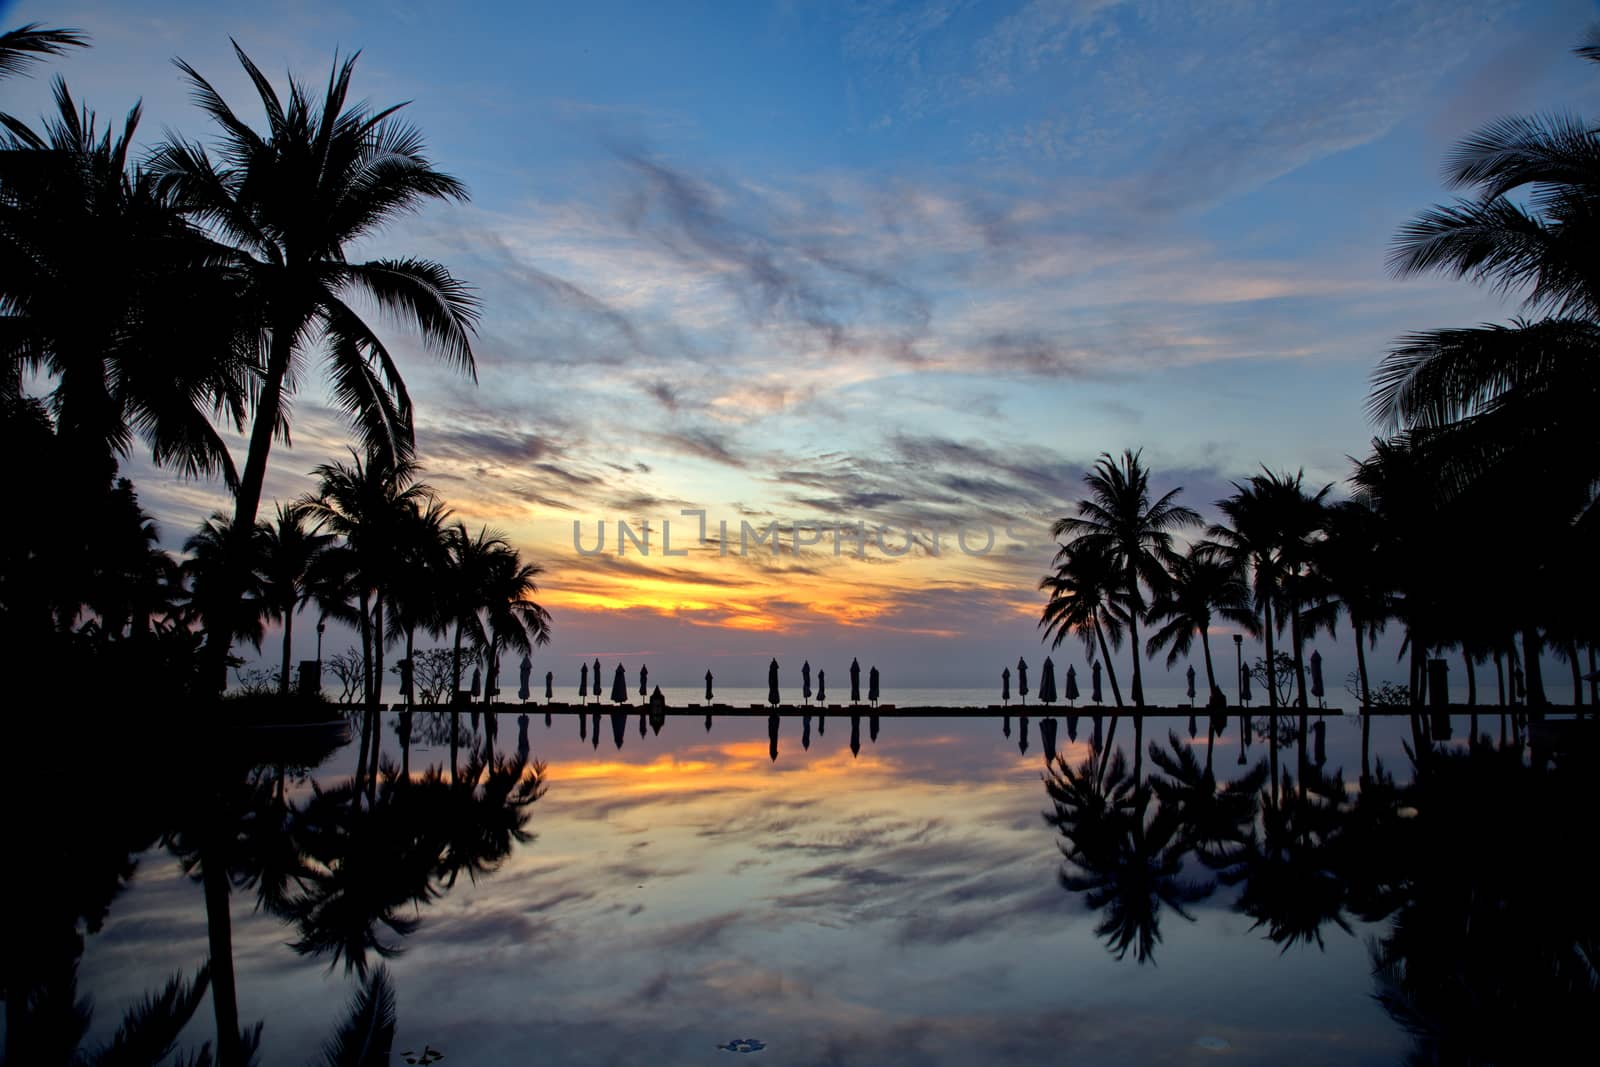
[160, 297]
[1510, 923]
[1471, 524]
[374, 548]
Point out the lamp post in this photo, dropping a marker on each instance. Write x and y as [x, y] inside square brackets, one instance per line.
[321, 627]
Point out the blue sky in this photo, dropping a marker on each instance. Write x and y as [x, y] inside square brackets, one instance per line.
[911, 263]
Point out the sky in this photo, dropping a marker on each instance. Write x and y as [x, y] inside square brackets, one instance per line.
[910, 265]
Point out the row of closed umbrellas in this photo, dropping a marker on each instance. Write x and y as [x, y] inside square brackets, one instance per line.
[619, 683]
[1047, 682]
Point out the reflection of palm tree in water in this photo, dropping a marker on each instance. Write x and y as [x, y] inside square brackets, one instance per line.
[1125, 859]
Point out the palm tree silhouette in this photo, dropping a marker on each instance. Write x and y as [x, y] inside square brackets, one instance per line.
[158, 352]
[369, 503]
[1120, 856]
[1204, 583]
[288, 202]
[224, 588]
[288, 558]
[514, 621]
[1119, 520]
[1083, 601]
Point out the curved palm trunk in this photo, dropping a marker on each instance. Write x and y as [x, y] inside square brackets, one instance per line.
[455, 704]
[288, 636]
[366, 687]
[1500, 677]
[1105, 656]
[219, 936]
[1211, 687]
[1577, 675]
[247, 500]
[1533, 677]
[1472, 678]
[1361, 665]
[405, 721]
[1304, 725]
[377, 692]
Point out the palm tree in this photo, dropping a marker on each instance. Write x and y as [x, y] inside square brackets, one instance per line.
[470, 564]
[289, 202]
[26, 45]
[1204, 583]
[369, 503]
[1119, 519]
[221, 567]
[157, 353]
[289, 552]
[515, 621]
[1083, 601]
[417, 595]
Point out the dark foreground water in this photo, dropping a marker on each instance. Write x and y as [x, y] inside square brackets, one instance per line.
[945, 895]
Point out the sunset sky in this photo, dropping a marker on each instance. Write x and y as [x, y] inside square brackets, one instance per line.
[911, 264]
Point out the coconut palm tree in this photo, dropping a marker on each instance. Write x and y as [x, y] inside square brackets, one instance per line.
[289, 201]
[469, 569]
[1119, 519]
[1083, 601]
[221, 567]
[1204, 583]
[514, 621]
[289, 551]
[158, 352]
[416, 596]
[26, 45]
[369, 503]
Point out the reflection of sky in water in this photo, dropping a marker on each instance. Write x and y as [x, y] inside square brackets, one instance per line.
[897, 907]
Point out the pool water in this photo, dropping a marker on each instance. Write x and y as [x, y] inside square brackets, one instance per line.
[942, 894]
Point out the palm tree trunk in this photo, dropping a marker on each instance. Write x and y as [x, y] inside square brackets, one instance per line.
[219, 934]
[377, 691]
[405, 729]
[1361, 666]
[1296, 635]
[1272, 675]
[455, 705]
[1138, 674]
[1594, 679]
[1138, 747]
[1111, 670]
[1472, 678]
[247, 500]
[366, 687]
[1533, 677]
[1577, 674]
[1211, 687]
[1500, 677]
[288, 636]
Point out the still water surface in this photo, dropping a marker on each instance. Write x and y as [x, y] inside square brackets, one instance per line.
[903, 904]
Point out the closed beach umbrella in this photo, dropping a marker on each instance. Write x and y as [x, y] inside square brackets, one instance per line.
[709, 697]
[872, 727]
[1022, 679]
[1022, 741]
[772, 682]
[822, 688]
[597, 681]
[855, 682]
[772, 737]
[549, 685]
[1190, 690]
[872, 688]
[583, 683]
[477, 682]
[805, 733]
[1005, 685]
[805, 681]
[583, 727]
[526, 672]
[1316, 674]
[522, 737]
[594, 728]
[644, 688]
[1319, 734]
[619, 686]
[1005, 726]
[619, 726]
[1244, 687]
[1072, 686]
[1047, 737]
[1072, 727]
[855, 735]
[1094, 684]
[1047, 682]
